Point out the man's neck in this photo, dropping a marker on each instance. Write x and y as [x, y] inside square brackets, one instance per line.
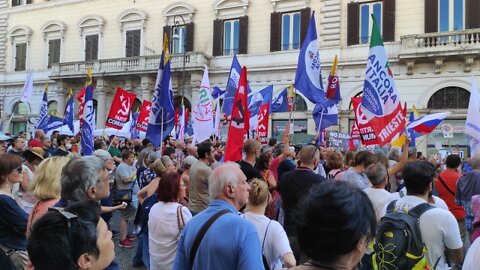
[62, 147]
[309, 166]
[450, 169]
[204, 160]
[250, 159]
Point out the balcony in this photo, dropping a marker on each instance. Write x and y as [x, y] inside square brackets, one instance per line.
[438, 47]
[128, 66]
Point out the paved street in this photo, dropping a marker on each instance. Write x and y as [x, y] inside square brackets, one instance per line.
[123, 256]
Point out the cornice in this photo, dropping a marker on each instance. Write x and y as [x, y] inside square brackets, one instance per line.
[42, 5]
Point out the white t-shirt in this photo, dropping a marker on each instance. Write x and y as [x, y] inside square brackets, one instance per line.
[471, 260]
[438, 202]
[378, 197]
[164, 233]
[276, 240]
[438, 227]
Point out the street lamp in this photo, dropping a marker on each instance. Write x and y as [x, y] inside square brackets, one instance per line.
[182, 27]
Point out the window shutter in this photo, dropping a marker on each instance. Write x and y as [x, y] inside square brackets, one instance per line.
[56, 54]
[168, 30]
[20, 56]
[472, 9]
[53, 52]
[129, 44]
[275, 31]
[304, 21]
[217, 37]
[137, 36]
[189, 39]
[29, 2]
[15, 3]
[388, 20]
[352, 23]
[431, 16]
[91, 47]
[95, 47]
[243, 38]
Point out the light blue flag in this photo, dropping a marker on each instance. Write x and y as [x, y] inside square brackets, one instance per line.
[134, 133]
[255, 100]
[42, 120]
[232, 86]
[329, 118]
[308, 78]
[69, 113]
[218, 92]
[54, 122]
[88, 123]
[280, 102]
[161, 120]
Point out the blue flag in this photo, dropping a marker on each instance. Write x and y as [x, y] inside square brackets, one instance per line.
[42, 120]
[280, 102]
[232, 86]
[217, 92]
[308, 76]
[134, 133]
[88, 118]
[54, 122]
[161, 120]
[329, 118]
[69, 113]
[255, 100]
[412, 134]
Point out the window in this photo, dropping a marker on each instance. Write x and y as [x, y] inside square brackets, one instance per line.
[53, 52]
[20, 2]
[20, 56]
[366, 22]
[451, 15]
[19, 117]
[359, 20]
[290, 31]
[230, 37]
[449, 98]
[20, 108]
[52, 108]
[300, 104]
[132, 43]
[91, 47]
[178, 39]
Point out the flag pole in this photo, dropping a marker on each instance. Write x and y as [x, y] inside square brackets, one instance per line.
[291, 113]
[161, 130]
[110, 145]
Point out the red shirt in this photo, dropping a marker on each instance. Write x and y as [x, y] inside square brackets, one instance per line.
[34, 143]
[450, 178]
[274, 167]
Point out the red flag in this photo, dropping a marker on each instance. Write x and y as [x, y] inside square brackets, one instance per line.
[366, 131]
[262, 129]
[120, 109]
[142, 121]
[81, 98]
[238, 126]
[175, 119]
[354, 137]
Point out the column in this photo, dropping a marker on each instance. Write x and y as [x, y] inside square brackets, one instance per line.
[61, 97]
[101, 103]
[147, 84]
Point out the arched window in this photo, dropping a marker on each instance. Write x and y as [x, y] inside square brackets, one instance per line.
[177, 102]
[449, 98]
[20, 108]
[52, 108]
[300, 104]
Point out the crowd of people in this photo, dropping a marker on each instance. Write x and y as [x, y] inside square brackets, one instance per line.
[181, 206]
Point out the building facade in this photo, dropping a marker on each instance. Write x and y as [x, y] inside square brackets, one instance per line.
[432, 47]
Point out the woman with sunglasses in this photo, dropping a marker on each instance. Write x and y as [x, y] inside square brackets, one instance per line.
[13, 220]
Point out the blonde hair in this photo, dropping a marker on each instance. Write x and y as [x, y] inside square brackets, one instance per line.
[258, 192]
[46, 182]
[158, 167]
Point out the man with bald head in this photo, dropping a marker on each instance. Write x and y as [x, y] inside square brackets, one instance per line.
[37, 140]
[251, 148]
[294, 185]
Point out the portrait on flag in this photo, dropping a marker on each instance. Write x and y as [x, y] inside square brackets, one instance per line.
[120, 109]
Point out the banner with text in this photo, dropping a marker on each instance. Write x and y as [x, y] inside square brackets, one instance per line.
[142, 121]
[120, 109]
[337, 140]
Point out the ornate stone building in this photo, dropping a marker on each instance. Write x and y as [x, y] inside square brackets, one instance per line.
[432, 46]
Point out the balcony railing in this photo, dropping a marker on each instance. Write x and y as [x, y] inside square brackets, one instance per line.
[121, 66]
[441, 43]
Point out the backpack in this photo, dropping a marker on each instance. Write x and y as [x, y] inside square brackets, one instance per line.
[398, 240]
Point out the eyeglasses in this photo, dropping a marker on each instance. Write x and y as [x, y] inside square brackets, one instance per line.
[19, 169]
[67, 215]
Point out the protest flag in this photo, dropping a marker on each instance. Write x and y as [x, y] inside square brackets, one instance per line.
[333, 85]
[68, 115]
[42, 120]
[120, 109]
[88, 117]
[427, 123]
[280, 102]
[27, 91]
[134, 133]
[232, 86]
[239, 122]
[380, 101]
[142, 121]
[472, 124]
[202, 112]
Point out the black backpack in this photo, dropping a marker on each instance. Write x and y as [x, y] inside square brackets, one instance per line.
[398, 240]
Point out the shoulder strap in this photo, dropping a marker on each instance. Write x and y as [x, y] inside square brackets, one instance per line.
[418, 210]
[391, 206]
[180, 219]
[445, 185]
[265, 236]
[201, 234]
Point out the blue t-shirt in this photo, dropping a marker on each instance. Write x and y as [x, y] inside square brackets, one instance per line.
[230, 243]
[13, 224]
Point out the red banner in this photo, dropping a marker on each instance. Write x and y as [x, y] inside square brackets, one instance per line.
[388, 126]
[262, 129]
[366, 131]
[238, 126]
[120, 109]
[81, 98]
[142, 122]
[355, 137]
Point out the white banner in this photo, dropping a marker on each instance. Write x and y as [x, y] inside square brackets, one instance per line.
[202, 112]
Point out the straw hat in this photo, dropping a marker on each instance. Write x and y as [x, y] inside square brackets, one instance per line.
[37, 151]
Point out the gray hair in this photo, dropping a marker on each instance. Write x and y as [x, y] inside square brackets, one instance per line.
[222, 176]
[143, 155]
[394, 153]
[153, 156]
[78, 176]
[376, 173]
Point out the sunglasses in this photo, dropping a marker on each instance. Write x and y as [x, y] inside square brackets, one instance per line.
[67, 215]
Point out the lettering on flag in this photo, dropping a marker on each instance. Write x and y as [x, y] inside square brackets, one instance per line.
[142, 122]
[262, 128]
[120, 109]
[366, 132]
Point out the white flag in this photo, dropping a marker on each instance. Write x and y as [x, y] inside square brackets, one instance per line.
[27, 92]
[216, 127]
[472, 125]
[202, 114]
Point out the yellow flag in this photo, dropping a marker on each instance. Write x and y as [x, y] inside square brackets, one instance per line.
[399, 142]
[89, 76]
[165, 52]
[416, 114]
